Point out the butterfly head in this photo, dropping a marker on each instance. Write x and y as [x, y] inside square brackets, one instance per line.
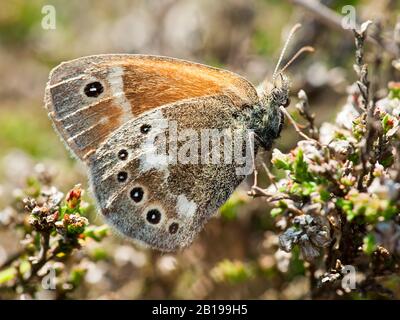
[267, 118]
[277, 93]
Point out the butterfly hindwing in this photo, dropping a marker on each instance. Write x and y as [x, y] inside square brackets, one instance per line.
[161, 204]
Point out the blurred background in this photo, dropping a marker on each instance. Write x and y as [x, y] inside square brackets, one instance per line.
[236, 256]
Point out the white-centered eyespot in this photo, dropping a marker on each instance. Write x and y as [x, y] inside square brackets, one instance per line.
[122, 154]
[122, 176]
[153, 216]
[93, 89]
[137, 194]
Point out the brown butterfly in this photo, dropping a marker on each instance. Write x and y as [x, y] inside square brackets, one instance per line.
[115, 112]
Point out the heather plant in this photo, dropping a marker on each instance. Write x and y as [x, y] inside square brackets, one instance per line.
[52, 228]
[337, 202]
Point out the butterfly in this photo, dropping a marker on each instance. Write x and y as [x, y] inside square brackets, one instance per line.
[115, 111]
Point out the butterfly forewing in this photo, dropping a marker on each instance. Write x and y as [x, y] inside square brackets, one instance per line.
[91, 97]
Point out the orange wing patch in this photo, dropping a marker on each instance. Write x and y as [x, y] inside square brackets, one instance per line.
[150, 82]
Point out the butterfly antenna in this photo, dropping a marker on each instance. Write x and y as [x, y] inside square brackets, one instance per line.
[292, 32]
[295, 56]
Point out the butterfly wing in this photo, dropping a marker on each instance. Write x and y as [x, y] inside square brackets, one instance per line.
[106, 107]
[91, 97]
[160, 185]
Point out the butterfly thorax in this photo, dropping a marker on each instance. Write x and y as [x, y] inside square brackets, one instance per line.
[266, 118]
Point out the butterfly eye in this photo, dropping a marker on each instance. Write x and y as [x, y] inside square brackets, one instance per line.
[145, 128]
[137, 194]
[93, 89]
[173, 228]
[122, 176]
[122, 154]
[153, 216]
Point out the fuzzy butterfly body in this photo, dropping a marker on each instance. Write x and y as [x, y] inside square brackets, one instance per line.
[116, 112]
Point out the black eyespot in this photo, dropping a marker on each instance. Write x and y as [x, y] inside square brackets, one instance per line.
[145, 128]
[122, 154]
[173, 228]
[153, 216]
[93, 89]
[137, 194]
[122, 176]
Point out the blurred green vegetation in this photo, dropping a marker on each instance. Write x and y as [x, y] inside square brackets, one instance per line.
[19, 130]
[18, 19]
